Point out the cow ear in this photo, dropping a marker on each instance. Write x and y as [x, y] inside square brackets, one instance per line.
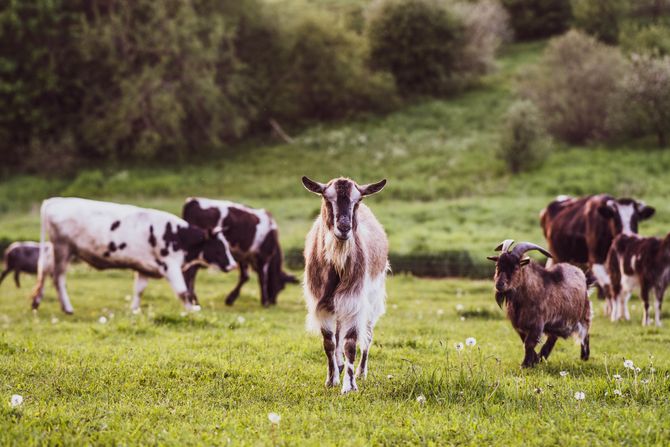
[371, 188]
[311, 185]
[645, 212]
[524, 261]
[492, 258]
[191, 236]
[607, 210]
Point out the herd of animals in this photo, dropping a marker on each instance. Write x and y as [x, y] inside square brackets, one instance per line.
[591, 241]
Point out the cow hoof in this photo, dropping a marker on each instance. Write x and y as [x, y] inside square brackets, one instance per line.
[347, 388]
[68, 311]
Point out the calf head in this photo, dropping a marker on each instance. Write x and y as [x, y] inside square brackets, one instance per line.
[208, 245]
[509, 263]
[341, 197]
[624, 214]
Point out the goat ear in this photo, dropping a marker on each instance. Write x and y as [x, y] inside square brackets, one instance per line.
[644, 211]
[524, 261]
[492, 258]
[311, 185]
[371, 188]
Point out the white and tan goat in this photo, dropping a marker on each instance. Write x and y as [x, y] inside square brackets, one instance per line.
[346, 260]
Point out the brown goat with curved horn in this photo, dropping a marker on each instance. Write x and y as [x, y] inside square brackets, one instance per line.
[539, 300]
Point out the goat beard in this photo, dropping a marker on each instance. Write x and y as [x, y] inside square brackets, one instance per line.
[500, 298]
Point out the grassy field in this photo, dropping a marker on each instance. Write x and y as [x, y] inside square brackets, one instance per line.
[213, 378]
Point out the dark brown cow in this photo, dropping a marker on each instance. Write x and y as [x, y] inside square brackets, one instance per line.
[254, 240]
[643, 262]
[23, 257]
[580, 230]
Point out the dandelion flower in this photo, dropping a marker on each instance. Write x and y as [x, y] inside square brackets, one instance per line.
[183, 313]
[390, 376]
[54, 320]
[274, 418]
[638, 369]
[459, 346]
[241, 320]
[579, 395]
[440, 311]
[563, 373]
[617, 392]
[16, 400]
[421, 399]
[628, 364]
[102, 320]
[395, 306]
[459, 307]
[644, 381]
[462, 318]
[617, 377]
[652, 370]
[470, 341]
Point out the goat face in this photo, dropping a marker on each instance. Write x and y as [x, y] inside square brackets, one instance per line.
[341, 197]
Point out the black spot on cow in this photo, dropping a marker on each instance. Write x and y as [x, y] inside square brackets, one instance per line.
[152, 238]
[106, 254]
[164, 252]
[161, 264]
[115, 225]
[206, 218]
[111, 247]
[122, 245]
[240, 228]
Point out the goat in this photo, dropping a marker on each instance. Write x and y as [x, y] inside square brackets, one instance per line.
[638, 261]
[346, 260]
[539, 300]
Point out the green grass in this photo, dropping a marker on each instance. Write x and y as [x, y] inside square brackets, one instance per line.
[212, 378]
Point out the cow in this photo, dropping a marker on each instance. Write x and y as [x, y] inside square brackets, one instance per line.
[580, 230]
[105, 235]
[22, 257]
[254, 241]
[643, 262]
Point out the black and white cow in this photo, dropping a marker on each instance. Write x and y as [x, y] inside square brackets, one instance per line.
[153, 243]
[643, 262]
[23, 257]
[580, 230]
[254, 240]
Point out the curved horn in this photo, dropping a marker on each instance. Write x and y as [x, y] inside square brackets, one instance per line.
[505, 245]
[523, 247]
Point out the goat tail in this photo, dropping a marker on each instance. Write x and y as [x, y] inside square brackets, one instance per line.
[37, 290]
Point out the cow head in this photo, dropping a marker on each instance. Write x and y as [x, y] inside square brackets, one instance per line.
[624, 214]
[208, 245]
[341, 198]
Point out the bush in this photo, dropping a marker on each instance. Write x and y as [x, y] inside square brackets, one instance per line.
[486, 25]
[600, 18]
[418, 41]
[645, 96]
[574, 85]
[653, 39]
[523, 140]
[532, 19]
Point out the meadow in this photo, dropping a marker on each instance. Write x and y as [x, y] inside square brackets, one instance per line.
[212, 378]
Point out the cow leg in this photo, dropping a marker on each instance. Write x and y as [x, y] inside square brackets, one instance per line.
[17, 272]
[548, 346]
[175, 277]
[262, 270]
[644, 295]
[4, 274]
[532, 339]
[660, 291]
[189, 277]
[603, 282]
[244, 277]
[365, 342]
[140, 284]
[329, 347]
[350, 341]
[61, 260]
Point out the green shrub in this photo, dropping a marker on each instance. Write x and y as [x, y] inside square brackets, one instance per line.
[574, 85]
[653, 39]
[523, 139]
[600, 18]
[418, 41]
[532, 19]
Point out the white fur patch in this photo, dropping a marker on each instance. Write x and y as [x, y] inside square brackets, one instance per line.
[626, 214]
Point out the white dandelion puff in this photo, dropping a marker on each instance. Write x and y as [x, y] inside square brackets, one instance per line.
[395, 307]
[628, 364]
[459, 307]
[274, 418]
[462, 318]
[470, 341]
[102, 320]
[644, 381]
[421, 399]
[54, 320]
[652, 370]
[390, 376]
[440, 311]
[637, 370]
[617, 377]
[459, 346]
[617, 392]
[580, 395]
[241, 319]
[563, 373]
[16, 400]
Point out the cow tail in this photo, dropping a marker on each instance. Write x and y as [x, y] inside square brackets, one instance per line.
[43, 249]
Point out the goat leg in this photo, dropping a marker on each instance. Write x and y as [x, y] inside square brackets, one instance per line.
[532, 339]
[548, 346]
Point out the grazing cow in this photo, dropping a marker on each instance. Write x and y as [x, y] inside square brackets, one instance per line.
[580, 230]
[643, 262]
[22, 257]
[153, 243]
[346, 260]
[254, 240]
[539, 300]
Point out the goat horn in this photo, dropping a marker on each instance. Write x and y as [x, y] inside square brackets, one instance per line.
[505, 245]
[523, 247]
